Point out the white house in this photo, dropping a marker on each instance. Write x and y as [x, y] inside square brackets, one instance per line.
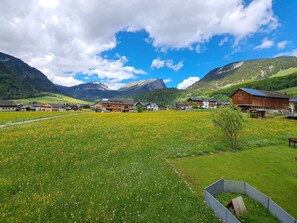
[152, 107]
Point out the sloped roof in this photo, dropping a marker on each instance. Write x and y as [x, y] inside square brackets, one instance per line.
[196, 99]
[7, 103]
[262, 93]
[152, 104]
[202, 99]
[142, 103]
[117, 101]
[293, 100]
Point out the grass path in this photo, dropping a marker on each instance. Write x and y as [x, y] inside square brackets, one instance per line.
[11, 117]
[37, 119]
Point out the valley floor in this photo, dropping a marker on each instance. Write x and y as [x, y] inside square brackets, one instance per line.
[111, 167]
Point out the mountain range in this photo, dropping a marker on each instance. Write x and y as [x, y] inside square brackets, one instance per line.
[244, 71]
[19, 80]
[93, 91]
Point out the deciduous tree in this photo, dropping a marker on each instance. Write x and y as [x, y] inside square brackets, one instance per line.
[230, 120]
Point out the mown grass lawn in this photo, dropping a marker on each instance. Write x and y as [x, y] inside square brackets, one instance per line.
[255, 212]
[272, 170]
[112, 167]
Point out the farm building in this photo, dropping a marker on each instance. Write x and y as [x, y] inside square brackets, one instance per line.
[148, 106]
[249, 99]
[114, 105]
[7, 106]
[203, 102]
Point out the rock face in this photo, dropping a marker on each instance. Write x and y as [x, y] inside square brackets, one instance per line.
[150, 85]
[136, 89]
[243, 71]
[88, 91]
[19, 80]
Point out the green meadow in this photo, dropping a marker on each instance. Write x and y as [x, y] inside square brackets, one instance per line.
[52, 98]
[116, 167]
[10, 117]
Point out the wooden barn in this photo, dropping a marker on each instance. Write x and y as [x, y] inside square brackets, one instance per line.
[249, 99]
[114, 105]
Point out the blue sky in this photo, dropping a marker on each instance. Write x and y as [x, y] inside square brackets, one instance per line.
[178, 41]
[140, 52]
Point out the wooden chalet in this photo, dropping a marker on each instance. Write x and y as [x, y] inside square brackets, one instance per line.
[114, 105]
[250, 99]
[46, 108]
[203, 102]
[8, 106]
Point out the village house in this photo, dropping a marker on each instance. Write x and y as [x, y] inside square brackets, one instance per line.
[147, 106]
[37, 106]
[59, 107]
[223, 103]
[8, 106]
[203, 102]
[152, 107]
[27, 108]
[140, 103]
[114, 105]
[73, 107]
[249, 99]
[46, 108]
[162, 107]
[181, 106]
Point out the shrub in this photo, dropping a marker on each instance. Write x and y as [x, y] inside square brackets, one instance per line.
[230, 121]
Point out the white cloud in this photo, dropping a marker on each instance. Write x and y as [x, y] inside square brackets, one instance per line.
[113, 85]
[167, 80]
[187, 82]
[175, 67]
[49, 3]
[158, 63]
[289, 53]
[266, 43]
[223, 41]
[282, 45]
[65, 81]
[67, 31]
[112, 72]
[200, 49]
